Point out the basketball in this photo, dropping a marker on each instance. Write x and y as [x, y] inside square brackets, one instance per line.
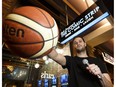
[30, 32]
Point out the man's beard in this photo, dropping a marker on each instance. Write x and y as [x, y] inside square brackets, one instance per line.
[81, 50]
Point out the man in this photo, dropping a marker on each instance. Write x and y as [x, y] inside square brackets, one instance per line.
[82, 75]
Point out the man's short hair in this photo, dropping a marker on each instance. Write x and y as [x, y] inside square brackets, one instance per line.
[79, 37]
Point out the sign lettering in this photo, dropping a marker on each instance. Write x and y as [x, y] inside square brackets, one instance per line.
[87, 19]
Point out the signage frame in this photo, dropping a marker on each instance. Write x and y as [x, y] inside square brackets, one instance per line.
[94, 14]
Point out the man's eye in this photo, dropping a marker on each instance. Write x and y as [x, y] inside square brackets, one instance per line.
[80, 41]
[75, 42]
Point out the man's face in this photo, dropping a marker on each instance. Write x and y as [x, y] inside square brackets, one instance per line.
[79, 44]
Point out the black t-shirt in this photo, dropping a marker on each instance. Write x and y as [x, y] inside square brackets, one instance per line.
[79, 76]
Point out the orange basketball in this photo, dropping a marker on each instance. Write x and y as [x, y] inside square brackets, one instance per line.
[30, 32]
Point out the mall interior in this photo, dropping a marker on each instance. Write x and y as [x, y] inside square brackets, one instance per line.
[43, 71]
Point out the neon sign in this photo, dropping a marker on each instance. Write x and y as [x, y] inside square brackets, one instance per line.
[87, 19]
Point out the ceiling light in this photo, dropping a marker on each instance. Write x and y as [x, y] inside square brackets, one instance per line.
[45, 58]
[37, 65]
[46, 62]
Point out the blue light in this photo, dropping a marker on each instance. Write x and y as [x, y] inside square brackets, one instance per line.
[45, 82]
[39, 83]
[86, 27]
[54, 80]
[64, 79]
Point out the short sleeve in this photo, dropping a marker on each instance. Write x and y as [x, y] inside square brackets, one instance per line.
[68, 61]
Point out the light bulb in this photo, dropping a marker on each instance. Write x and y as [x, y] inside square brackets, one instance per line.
[37, 65]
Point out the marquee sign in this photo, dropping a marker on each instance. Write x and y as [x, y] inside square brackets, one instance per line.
[87, 19]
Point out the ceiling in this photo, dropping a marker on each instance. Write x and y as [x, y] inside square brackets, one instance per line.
[65, 11]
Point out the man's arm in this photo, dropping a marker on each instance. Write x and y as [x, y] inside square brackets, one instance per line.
[104, 77]
[59, 58]
[105, 80]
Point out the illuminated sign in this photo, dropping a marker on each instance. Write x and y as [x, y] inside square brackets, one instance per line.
[87, 19]
[47, 75]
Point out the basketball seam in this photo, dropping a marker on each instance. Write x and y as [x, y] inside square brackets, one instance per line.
[31, 19]
[22, 24]
[48, 23]
[33, 42]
